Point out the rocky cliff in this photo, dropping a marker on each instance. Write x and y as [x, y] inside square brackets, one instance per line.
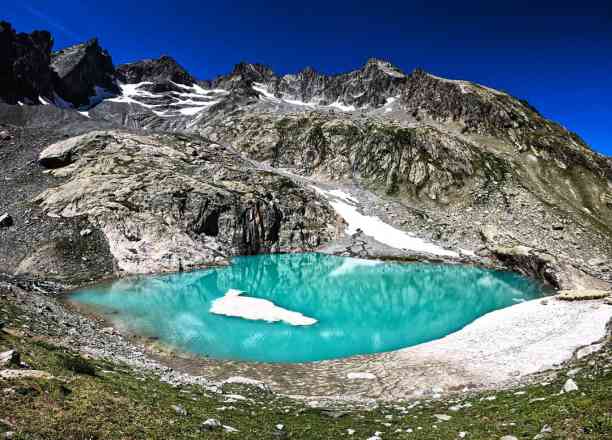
[174, 202]
[24, 71]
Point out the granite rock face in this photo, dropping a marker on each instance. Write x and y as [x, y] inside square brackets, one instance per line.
[176, 202]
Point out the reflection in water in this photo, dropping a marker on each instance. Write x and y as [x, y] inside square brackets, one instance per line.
[361, 306]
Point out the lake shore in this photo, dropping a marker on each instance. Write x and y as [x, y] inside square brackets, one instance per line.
[496, 351]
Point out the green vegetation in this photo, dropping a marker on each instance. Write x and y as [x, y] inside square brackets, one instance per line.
[119, 403]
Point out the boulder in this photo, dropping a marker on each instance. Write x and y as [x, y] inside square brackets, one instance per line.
[211, 425]
[10, 358]
[6, 220]
[569, 386]
[65, 152]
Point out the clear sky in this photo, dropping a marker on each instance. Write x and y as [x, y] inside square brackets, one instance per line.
[557, 56]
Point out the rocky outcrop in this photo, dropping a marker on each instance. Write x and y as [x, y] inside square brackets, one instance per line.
[163, 69]
[243, 76]
[80, 75]
[170, 202]
[368, 87]
[553, 270]
[420, 161]
[24, 71]
[85, 74]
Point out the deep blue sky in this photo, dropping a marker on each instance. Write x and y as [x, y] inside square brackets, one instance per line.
[558, 57]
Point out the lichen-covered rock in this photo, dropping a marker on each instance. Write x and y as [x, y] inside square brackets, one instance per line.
[174, 202]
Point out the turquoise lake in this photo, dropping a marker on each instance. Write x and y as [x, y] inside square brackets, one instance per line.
[359, 306]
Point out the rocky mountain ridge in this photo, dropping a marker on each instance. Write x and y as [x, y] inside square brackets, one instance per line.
[457, 163]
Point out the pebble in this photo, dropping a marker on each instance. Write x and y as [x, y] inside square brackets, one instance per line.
[350, 431]
[508, 437]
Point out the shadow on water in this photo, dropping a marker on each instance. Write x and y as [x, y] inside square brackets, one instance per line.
[361, 306]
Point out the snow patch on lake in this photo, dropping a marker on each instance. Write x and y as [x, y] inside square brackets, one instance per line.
[256, 309]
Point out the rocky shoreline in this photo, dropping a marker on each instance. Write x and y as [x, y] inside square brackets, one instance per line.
[430, 371]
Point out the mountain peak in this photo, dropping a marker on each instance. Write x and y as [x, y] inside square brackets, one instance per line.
[384, 66]
[164, 68]
[252, 71]
[80, 69]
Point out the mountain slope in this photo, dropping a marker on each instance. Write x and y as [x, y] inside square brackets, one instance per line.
[457, 163]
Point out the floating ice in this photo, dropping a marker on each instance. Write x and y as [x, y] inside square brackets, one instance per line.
[256, 309]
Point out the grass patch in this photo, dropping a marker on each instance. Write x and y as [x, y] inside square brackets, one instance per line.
[78, 365]
[95, 399]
